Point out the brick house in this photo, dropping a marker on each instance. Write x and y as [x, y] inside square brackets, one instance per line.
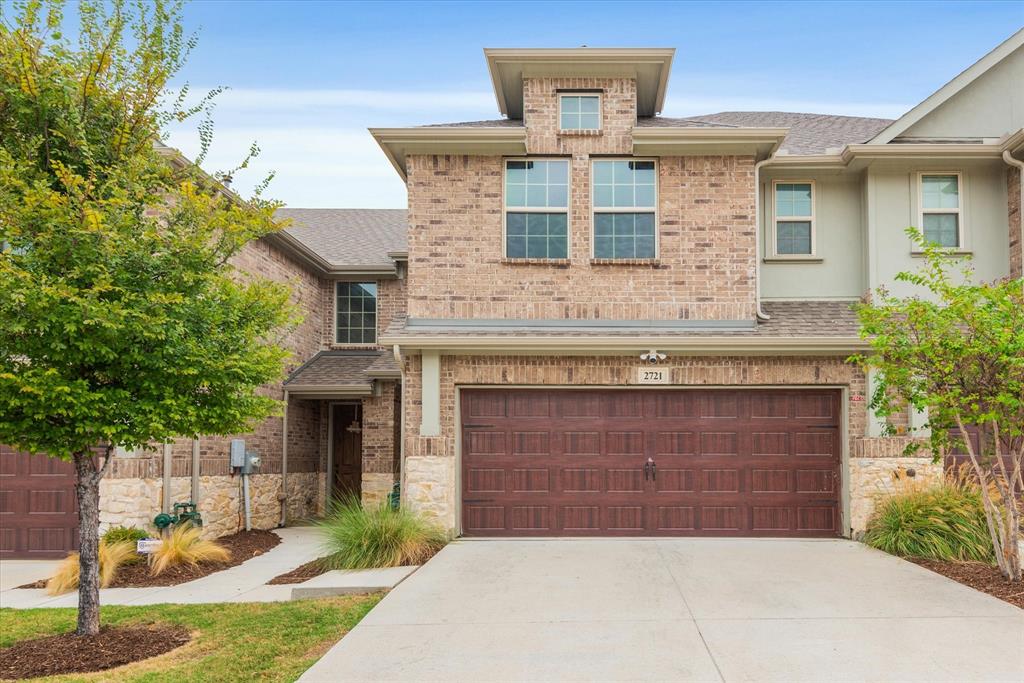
[596, 320]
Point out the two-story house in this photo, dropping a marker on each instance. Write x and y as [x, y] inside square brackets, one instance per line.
[625, 324]
[596, 320]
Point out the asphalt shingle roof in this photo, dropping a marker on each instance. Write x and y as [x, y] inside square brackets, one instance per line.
[335, 368]
[787, 319]
[808, 133]
[350, 237]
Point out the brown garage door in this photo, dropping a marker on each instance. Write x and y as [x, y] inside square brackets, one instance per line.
[752, 462]
[38, 514]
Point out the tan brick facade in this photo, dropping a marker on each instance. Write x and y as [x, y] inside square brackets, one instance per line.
[391, 302]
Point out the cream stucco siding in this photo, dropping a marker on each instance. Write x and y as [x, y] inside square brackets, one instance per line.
[893, 205]
[991, 106]
[837, 272]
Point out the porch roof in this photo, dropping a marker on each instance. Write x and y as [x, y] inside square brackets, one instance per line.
[341, 373]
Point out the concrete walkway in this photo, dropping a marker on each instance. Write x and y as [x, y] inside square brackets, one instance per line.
[680, 610]
[244, 583]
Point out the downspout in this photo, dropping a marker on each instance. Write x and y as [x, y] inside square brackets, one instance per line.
[759, 237]
[284, 463]
[401, 423]
[1009, 159]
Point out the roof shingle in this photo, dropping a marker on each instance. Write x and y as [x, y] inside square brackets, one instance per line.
[350, 237]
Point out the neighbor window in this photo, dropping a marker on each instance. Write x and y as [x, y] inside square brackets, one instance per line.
[625, 201]
[537, 209]
[794, 219]
[580, 112]
[940, 208]
[356, 313]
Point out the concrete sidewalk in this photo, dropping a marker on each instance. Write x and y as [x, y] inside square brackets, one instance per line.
[244, 583]
[680, 610]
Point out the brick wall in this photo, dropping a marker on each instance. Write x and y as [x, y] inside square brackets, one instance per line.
[1013, 181]
[705, 268]
[706, 235]
[540, 116]
[614, 371]
[378, 436]
[391, 301]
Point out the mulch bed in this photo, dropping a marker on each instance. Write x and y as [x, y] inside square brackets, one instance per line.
[299, 574]
[243, 545]
[68, 653]
[979, 576]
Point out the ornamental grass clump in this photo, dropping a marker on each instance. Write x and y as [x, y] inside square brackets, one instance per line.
[945, 521]
[358, 537]
[111, 554]
[183, 546]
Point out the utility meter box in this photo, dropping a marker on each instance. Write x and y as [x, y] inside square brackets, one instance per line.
[252, 462]
[237, 454]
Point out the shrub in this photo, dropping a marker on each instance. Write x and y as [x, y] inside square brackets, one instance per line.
[112, 556]
[945, 521]
[184, 546]
[127, 534]
[358, 537]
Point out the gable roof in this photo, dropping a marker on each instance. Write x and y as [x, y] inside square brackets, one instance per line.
[350, 238]
[943, 94]
[807, 134]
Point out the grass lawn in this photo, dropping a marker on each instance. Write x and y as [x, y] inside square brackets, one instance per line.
[233, 642]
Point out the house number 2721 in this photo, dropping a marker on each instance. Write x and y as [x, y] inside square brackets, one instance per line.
[652, 375]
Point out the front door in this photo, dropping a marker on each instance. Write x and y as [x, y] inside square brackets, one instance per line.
[348, 450]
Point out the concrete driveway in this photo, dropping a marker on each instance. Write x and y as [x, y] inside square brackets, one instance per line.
[680, 610]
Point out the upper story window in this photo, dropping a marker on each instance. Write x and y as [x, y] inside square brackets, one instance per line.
[579, 112]
[537, 208]
[355, 320]
[794, 218]
[941, 218]
[625, 197]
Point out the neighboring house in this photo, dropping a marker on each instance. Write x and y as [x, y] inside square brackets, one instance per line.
[492, 347]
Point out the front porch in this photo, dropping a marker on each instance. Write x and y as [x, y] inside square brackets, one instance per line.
[357, 393]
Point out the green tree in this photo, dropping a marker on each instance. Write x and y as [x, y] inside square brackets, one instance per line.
[957, 350]
[122, 320]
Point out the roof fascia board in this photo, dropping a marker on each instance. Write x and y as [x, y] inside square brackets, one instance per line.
[398, 142]
[590, 344]
[1013, 142]
[621, 56]
[922, 151]
[299, 251]
[759, 141]
[943, 94]
[328, 391]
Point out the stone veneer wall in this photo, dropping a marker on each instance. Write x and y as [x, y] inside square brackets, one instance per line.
[875, 478]
[134, 502]
[1014, 218]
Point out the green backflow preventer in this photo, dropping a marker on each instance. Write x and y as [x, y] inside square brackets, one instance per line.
[183, 512]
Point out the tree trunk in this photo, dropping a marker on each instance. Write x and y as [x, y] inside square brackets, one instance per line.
[87, 487]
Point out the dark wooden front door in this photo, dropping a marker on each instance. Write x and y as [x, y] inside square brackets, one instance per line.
[692, 462]
[348, 451]
[38, 512]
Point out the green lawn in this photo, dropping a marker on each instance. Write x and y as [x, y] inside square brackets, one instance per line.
[235, 642]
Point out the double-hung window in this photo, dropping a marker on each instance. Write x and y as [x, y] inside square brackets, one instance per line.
[794, 218]
[537, 208]
[941, 217]
[355, 320]
[625, 198]
[579, 112]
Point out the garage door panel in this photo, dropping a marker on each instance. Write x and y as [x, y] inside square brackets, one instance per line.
[38, 510]
[728, 462]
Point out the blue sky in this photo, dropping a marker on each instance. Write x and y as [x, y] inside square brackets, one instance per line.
[308, 78]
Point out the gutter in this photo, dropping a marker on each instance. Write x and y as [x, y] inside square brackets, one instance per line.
[284, 463]
[401, 423]
[1012, 161]
[710, 344]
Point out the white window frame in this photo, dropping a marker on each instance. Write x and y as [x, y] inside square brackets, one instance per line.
[376, 312]
[582, 93]
[594, 210]
[505, 208]
[774, 232]
[961, 236]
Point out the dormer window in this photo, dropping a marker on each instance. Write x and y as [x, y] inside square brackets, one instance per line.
[579, 111]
